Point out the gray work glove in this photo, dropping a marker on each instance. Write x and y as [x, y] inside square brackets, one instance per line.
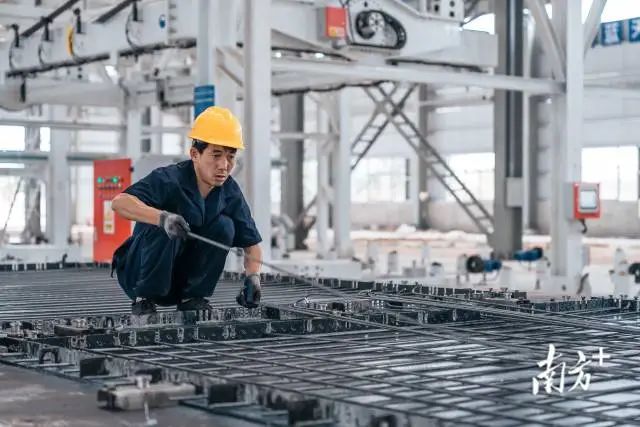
[174, 225]
[251, 291]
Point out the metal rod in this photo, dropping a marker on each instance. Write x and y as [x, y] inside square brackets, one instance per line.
[13, 201]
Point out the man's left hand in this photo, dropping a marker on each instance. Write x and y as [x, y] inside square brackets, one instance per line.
[251, 291]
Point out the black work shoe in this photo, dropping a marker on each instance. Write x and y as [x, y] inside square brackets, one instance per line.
[142, 307]
[194, 304]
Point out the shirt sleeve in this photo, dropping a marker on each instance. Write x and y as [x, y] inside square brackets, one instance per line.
[152, 190]
[246, 232]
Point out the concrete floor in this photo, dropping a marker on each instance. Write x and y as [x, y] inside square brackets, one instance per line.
[32, 399]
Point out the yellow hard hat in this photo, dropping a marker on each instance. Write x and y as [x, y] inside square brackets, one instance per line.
[217, 125]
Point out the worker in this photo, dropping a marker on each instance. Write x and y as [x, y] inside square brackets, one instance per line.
[159, 264]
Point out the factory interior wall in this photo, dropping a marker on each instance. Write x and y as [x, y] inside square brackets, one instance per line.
[609, 121]
[383, 213]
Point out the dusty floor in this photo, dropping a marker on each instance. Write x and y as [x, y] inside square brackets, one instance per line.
[31, 399]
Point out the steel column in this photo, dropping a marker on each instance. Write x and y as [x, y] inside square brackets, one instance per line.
[341, 213]
[423, 168]
[566, 260]
[156, 137]
[32, 225]
[292, 202]
[58, 184]
[204, 46]
[322, 196]
[257, 114]
[226, 17]
[592, 24]
[133, 148]
[529, 139]
[508, 129]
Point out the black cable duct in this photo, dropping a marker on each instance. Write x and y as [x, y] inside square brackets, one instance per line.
[49, 18]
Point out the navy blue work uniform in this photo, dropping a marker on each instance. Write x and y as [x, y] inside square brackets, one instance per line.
[150, 265]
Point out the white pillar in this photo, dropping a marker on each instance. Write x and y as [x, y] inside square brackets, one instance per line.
[322, 197]
[566, 238]
[205, 44]
[59, 183]
[133, 148]
[257, 115]
[342, 176]
[226, 37]
[156, 137]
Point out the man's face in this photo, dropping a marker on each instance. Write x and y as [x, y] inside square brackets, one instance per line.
[214, 164]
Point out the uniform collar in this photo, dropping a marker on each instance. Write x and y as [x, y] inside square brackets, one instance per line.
[215, 201]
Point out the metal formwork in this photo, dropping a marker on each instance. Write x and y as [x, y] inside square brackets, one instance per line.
[383, 354]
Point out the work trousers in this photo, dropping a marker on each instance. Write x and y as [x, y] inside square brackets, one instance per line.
[166, 271]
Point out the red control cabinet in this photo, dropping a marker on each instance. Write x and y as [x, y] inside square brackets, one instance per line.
[335, 22]
[586, 200]
[110, 178]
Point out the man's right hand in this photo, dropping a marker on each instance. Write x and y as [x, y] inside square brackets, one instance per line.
[174, 225]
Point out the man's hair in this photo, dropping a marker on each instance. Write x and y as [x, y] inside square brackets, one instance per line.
[201, 146]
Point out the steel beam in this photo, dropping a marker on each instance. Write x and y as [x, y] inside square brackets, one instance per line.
[59, 92]
[12, 12]
[416, 74]
[592, 24]
[549, 38]
[257, 115]
[28, 157]
[62, 124]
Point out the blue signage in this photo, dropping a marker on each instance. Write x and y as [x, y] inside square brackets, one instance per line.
[611, 33]
[634, 30]
[203, 98]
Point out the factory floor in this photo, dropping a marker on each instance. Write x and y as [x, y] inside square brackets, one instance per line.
[31, 399]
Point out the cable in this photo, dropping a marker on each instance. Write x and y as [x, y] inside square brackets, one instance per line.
[584, 226]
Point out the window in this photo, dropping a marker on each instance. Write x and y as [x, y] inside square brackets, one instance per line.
[374, 180]
[45, 139]
[476, 171]
[616, 10]
[484, 23]
[12, 138]
[14, 215]
[615, 169]
[382, 179]
[309, 180]
[276, 190]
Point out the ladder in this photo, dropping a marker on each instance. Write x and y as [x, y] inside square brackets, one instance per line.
[376, 124]
[434, 161]
[365, 139]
